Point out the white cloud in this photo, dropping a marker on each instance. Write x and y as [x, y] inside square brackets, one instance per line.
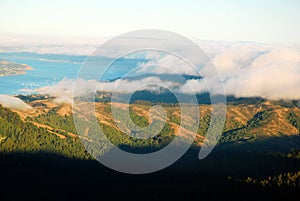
[247, 69]
[13, 102]
[274, 74]
[64, 90]
[130, 86]
[167, 64]
[193, 86]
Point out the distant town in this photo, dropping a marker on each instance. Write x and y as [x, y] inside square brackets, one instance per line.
[11, 68]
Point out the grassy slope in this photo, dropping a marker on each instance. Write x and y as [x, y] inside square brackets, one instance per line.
[252, 137]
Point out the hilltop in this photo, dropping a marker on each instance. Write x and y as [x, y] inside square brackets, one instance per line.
[245, 122]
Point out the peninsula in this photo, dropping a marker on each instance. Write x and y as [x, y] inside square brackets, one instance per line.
[11, 68]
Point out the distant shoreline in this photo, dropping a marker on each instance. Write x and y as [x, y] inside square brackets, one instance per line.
[8, 68]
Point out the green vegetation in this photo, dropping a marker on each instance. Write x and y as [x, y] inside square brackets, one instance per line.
[64, 124]
[294, 120]
[204, 124]
[18, 136]
[294, 154]
[284, 103]
[54, 120]
[252, 159]
[290, 179]
[32, 97]
[135, 126]
[139, 120]
[259, 119]
[243, 132]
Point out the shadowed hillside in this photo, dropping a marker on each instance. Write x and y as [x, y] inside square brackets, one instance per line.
[214, 178]
[258, 152]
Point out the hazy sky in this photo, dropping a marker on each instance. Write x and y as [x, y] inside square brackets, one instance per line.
[271, 21]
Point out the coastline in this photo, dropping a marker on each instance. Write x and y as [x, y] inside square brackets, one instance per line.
[11, 68]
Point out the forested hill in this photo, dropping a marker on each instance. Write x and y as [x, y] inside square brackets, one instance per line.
[258, 152]
[19, 136]
[49, 126]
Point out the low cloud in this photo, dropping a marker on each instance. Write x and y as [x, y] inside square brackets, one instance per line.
[274, 74]
[13, 102]
[166, 64]
[64, 90]
[246, 69]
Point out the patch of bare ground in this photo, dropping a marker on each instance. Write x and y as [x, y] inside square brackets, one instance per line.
[183, 132]
[205, 110]
[104, 117]
[279, 124]
[25, 113]
[240, 114]
[65, 109]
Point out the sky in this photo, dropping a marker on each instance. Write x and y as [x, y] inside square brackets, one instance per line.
[268, 21]
[254, 44]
